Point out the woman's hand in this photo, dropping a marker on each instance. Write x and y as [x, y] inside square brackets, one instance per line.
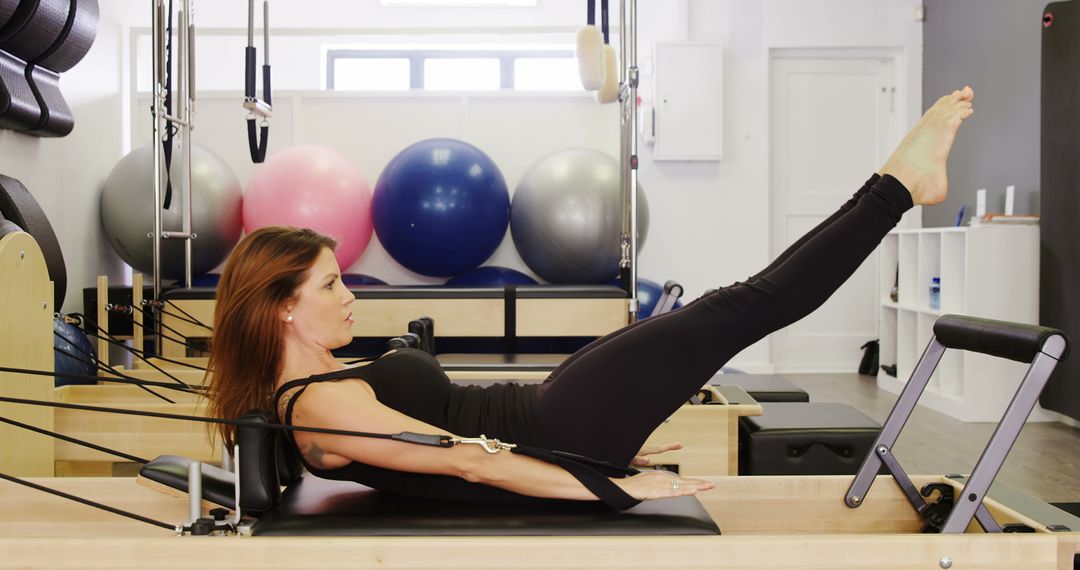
[640, 460]
[657, 484]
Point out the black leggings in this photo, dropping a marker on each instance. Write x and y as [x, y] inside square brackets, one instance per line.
[606, 399]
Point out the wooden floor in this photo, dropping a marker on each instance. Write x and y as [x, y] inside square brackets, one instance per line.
[1045, 462]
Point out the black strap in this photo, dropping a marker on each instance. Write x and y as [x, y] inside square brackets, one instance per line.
[510, 340]
[604, 26]
[257, 145]
[590, 9]
[596, 482]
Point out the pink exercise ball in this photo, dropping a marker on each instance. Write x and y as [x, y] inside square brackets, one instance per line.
[312, 187]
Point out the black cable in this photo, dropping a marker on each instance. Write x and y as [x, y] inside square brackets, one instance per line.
[179, 340]
[76, 441]
[178, 316]
[142, 353]
[407, 437]
[98, 363]
[132, 351]
[87, 502]
[421, 439]
[188, 315]
[120, 380]
[142, 357]
[98, 366]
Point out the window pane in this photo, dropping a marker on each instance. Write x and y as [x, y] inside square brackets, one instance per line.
[546, 74]
[371, 74]
[456, 74]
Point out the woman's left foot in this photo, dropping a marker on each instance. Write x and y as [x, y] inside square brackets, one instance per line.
[919, 163]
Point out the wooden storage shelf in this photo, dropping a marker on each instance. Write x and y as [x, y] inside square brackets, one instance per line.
[987, 271]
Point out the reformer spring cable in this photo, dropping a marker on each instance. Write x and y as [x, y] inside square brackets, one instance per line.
[97, 363]
[142, 353]
[101, 368]
[76, 441]
[134, 352]
[88, 502]
[116, 380]
[141, 356]
[176, 339]
[192, 320]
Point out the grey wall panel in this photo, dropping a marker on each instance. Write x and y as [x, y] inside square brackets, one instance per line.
[992, 45]
[1059, 295]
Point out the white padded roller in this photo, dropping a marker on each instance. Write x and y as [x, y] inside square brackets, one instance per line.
[590, 57]
[609, 91]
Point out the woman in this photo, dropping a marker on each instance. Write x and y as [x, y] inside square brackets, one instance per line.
[281, 308]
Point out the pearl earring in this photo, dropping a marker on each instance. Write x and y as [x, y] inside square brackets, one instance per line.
[288, 319]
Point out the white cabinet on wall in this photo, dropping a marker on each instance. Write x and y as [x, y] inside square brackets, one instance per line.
[689, 91]
[989, 271]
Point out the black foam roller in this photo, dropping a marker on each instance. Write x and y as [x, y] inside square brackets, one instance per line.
[17, 205]
[78, 36]
[7, 9]
[40, 31]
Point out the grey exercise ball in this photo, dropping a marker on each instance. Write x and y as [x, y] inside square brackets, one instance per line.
[127, 212]
[566, 215]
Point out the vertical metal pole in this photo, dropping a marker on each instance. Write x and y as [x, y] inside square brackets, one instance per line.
[628, 147]
[632, 119]
[158, 41]
[194, 491]
[185, 131]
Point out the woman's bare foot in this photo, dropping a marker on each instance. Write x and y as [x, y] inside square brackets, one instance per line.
[919, 162]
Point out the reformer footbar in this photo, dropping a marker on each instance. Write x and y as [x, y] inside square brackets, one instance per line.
[1042, 347]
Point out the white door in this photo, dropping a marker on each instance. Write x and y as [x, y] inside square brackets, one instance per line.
[834, 121]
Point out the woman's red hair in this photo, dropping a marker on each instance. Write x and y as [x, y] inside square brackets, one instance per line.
[260, 276]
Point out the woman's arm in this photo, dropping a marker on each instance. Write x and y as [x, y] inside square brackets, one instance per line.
[348, 407]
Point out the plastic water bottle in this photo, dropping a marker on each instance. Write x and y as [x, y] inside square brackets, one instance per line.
[935, 293]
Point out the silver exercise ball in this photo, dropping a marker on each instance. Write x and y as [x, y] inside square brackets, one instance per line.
[566, 215]
[127, 212]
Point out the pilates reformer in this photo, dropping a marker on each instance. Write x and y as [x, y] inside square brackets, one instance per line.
[766, 521]
[758, 515]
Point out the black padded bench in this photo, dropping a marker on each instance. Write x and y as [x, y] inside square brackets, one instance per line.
[763, 387]
[805, 439]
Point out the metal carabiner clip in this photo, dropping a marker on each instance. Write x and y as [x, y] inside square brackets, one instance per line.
[489, 445]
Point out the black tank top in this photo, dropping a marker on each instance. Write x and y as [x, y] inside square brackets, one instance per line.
[412, 382]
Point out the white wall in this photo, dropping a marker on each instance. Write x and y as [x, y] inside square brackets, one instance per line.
[710, 221]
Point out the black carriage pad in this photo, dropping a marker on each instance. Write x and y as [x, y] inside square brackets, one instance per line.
[805, 439]
[763, 387]
[321, 507]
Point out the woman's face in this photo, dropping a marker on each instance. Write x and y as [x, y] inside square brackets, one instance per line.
[320, 310]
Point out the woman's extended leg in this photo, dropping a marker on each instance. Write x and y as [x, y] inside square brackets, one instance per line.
[775, 263]
[607, 400]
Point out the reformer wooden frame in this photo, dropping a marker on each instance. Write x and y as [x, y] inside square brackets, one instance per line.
[768, 522]
[464, 317]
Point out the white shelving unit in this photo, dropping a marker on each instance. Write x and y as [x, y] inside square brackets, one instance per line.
[987, 271]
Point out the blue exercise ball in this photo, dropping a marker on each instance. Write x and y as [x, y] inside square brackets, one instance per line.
[491, 276]
[357, 279]
[441, 207]
[73, 354]
[649, 293]
[206, 280]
